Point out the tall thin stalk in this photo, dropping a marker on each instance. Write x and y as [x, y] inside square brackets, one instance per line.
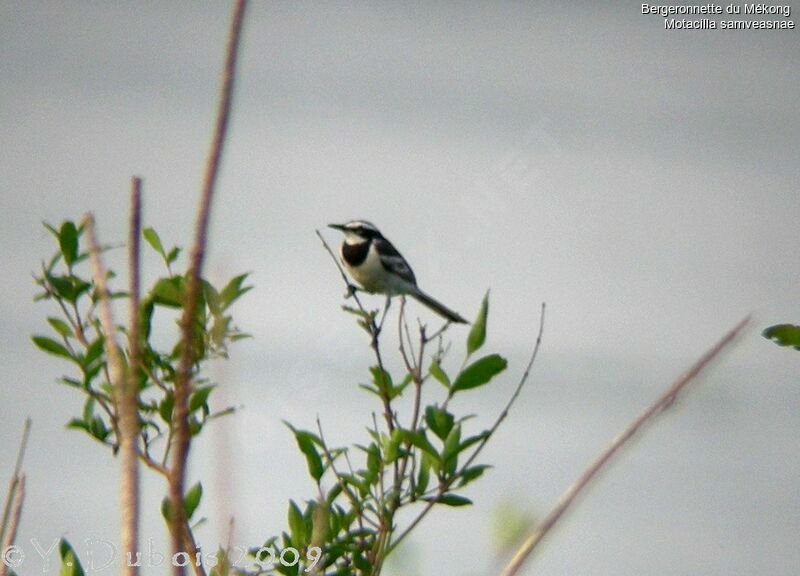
[662, 403]
[181, 535]
[15, 496]
[129, 397]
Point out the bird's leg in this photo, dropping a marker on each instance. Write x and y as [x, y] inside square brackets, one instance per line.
[385, 311]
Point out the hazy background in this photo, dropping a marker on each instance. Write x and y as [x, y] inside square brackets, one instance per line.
[642, 182]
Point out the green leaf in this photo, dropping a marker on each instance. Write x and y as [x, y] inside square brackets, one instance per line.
[472, 473]
[233, 290]
[398, 389]
[165, 407]
[169, 292]
[474, 440]
[382, 379]
[68, 241]
[51, 346]
[60, 326]
[305, 441]
[70, 288]
[72, 382]
[199, 398]
[334, 492]
[370, 389]
[450, 451]
[479, 373]
[424, 475]
[166, 509]
[51, 228]
[439, 374]
[41, 296]
[212, 297]
[152, 238]
[417, 438]
[784, 335]
[361, 564]
[373, 462]
[477, 334]
[78, 424]
[94, 351]
[450, 500]
[440, 421]
[173, 254]
[63, 287]
[194, 426]
[88, 409]
[146, 310]
[297, 525]
[192, 500]
[70, 565]
[98, 429]
[390, 445]
[365, 316]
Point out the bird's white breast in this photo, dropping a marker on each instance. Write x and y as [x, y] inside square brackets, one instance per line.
[373, 277]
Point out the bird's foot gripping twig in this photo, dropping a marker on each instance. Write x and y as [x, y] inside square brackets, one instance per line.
[351, 291]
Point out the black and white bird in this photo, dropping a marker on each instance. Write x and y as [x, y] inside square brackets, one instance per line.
[379, 268]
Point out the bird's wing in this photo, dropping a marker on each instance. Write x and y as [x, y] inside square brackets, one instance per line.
[393, 261]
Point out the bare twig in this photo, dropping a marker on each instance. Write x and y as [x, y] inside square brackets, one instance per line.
[374, 331]
[124, 382]
[663, 402]
[14, 498]
[128, 402]
[351, 291]
[514, 396]
[116, 363]
[153, 465]
[183, 383]
[16, 513]
[408, 357]
[446, 485]
[361, 517]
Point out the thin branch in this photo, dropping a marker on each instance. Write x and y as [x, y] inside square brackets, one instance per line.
[124, 382]
[129, 397]
[13, 486]
[183, 383]
[416, 376]
[514, 396]
[446, 485]
[16, 513]
[661, 404]
[407, 360]
[373, 330]
[153, 465]
[351, 290]
[385, 514]
[360, 515]
[23, 445]
[116, 363]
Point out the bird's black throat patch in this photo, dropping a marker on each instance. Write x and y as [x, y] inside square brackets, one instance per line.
[355, 254]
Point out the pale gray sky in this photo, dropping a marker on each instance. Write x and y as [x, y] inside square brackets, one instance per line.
[643, 182]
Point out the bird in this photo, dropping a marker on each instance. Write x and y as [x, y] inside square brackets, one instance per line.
[379, 268]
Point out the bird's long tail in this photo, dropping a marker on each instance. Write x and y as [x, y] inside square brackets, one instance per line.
[437, 307]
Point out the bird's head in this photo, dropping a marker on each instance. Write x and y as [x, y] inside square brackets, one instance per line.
[357, 231]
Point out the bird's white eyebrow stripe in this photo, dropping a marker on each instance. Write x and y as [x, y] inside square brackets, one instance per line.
[360, 224]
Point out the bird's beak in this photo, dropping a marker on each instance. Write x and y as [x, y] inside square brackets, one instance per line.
[337, 226]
